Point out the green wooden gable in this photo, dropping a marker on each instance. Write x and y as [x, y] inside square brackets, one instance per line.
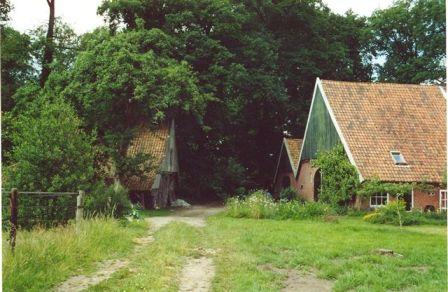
[321, 134]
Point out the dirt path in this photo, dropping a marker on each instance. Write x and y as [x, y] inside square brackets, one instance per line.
[196, 275]
[300, 281]
[194, 216]
[104, 271]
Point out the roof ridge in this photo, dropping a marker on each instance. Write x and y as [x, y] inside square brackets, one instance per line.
[380, 83]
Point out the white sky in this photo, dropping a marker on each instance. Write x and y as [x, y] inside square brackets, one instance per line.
[81, 14]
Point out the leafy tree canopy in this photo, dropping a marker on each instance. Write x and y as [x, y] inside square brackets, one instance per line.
[49, 152]
[411, 36]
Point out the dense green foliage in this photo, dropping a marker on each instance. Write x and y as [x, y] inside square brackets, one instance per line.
[259, 61]
[339, 177]
[289, 194]
[50, 152]
[260, 205]
[16, 67]
[394, 213]
[107, 200]
[410, 35]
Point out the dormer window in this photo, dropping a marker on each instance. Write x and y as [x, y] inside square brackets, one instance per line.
[398, 158]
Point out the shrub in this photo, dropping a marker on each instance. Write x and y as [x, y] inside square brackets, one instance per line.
[288, 194]
[108, 200]
[315, 209]
[259, 204]
[393, 212]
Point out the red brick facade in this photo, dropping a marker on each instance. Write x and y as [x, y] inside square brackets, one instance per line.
[424, 199]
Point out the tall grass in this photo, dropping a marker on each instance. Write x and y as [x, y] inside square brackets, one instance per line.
[45, 257]
[260, 205]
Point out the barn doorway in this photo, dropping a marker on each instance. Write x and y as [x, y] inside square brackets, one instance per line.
[286, 182]
[317, 184]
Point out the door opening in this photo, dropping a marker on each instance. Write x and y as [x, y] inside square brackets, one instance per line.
[317, 185]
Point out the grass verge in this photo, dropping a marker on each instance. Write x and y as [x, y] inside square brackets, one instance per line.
[43, 258]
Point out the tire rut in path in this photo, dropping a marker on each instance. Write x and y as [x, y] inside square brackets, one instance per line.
[197, 275]
[202, 268]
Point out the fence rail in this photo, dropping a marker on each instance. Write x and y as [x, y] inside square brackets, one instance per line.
[27, 209]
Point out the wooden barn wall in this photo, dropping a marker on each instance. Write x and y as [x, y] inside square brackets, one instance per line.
[321, 134]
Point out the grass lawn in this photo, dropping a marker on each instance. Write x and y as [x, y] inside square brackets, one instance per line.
[44, 258]
[342, 251]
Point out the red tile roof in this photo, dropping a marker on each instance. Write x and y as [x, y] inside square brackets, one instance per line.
[376, 118]
[294, 146]
[152, 142]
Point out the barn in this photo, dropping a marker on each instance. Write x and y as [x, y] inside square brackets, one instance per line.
[157, 188]
[391, 132]
[287, 165]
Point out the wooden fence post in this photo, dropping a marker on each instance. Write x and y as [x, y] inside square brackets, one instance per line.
[13, 200]
[79, 207]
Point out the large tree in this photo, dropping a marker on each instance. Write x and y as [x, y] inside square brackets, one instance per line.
[15, 64]
[410, 38]
[49, 45]
[121, 81]
[235, 60]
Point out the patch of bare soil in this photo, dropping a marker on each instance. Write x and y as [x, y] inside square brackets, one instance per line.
[104, 271]
[194, 216]
[197, 275]
[300, 281]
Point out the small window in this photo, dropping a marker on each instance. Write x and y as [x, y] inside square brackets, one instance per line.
[398, 158]
[379, 200]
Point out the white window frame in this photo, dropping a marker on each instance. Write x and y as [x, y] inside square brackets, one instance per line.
[441, 192]
[396, 152]
[378, 195]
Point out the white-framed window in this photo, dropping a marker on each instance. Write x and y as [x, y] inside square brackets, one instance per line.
[379, 200]
[398, 158]
[443, 200]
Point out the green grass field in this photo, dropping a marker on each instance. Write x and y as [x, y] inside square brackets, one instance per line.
[343, 252]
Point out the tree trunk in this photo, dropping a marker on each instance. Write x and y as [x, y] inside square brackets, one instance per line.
[49, 46]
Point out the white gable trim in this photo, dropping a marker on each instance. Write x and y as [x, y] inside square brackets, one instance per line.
[443, 91]
[288, 151]
[338, 129]
[306, 127]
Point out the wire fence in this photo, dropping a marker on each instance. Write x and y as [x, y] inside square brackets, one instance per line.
[46, 209]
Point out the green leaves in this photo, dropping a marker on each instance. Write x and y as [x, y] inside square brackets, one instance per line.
[410, 36]
[339, 177]
[49, 150]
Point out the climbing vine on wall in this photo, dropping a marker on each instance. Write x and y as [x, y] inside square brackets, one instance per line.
[339, 177]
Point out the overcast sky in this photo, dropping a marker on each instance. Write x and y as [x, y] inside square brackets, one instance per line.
[81, 14]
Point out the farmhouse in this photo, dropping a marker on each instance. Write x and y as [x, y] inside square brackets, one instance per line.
[391, 132]
[156, 189]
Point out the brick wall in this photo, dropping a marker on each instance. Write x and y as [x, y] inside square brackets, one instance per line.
[305, 182]
[423, 199]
